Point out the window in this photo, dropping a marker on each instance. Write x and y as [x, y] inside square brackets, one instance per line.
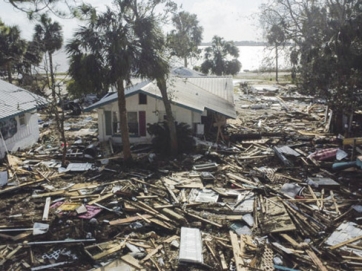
[22, 119]
[142, 98]
[132, 123]
[108, 122]
[115, 123]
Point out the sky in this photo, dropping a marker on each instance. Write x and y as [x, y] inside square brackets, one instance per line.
[234, 20]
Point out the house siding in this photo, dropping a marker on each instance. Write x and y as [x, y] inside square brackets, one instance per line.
[154, 110]
[26, 134]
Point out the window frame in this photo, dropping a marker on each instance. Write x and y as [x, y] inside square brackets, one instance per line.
[22, 120]
[142, 98]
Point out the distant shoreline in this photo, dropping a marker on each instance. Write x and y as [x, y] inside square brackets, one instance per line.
[243, 43]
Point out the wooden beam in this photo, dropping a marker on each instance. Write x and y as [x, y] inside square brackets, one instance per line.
[149, 255]
[205, 220]
[346, 242]
[224, 265]
[352, 140]
[335, 203]
[314, 196]
[46, 209]
[239, 262]
[241, 179]
[128, 258]
[106, 196]
[127, 220]
[316, 260]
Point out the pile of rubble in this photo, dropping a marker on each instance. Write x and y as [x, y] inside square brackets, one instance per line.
[281, 195]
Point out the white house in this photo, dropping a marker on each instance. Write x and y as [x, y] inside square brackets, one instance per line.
[197, 100]
[18, 117]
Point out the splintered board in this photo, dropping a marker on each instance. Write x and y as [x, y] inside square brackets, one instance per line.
[275, 218]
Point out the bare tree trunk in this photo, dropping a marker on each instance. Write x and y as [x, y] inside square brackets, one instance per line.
[161, 83]
[185, 62]
[8, 69]
[276, 62]
[58, 120]
[123, 121]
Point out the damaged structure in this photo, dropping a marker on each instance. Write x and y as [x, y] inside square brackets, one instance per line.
[197, 100]
[282, 195]
[18, 117]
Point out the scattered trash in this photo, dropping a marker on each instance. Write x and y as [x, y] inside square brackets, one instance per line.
[277, 193]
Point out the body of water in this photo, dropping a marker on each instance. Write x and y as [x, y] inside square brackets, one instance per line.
[251, 58]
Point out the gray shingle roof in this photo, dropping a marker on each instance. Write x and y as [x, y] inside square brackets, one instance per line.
[15, 100]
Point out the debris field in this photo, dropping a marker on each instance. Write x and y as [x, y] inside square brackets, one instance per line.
[279, 193]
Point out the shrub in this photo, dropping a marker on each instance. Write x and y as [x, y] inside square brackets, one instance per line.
[161, 134]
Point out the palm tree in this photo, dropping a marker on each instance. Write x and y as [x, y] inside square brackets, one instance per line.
[12, 48]
[186, 37]
[276, 37]
[216, 58]
[48, 35]
[126, 42]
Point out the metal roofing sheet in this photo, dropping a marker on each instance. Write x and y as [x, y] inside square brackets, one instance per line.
[15, 100]
[182, 92]
[190, 246]
[220, 86]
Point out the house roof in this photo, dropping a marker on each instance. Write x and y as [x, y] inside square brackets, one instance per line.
[15, 100]
[218, 85]
[190, 93]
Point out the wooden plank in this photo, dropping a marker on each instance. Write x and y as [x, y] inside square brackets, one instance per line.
[147, 197]
[169, 240]
[138, 244]
[276, 218]
[149, 255]
[16, 237]
[346, 242]
[314, 196]
[350, 141]
[162, 223]
[224, 265]
[128, 220]
[242, 245]
[170, 191]
[149, 210]
[239, 262]
[301, 152]
[106, 196]
[12, 188]
[174, 215]
[316, 260]
[107, 252]
[128, 258]
[150, 185]
[46, 209]
[207, 243]
[294, 243]
[49, 194]
[156, 264]
[352, 258]
[12, 253]
[241, 179]
[205, 220]
[322, 199]
[144, 218]
[106, 248]
[335, 202]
